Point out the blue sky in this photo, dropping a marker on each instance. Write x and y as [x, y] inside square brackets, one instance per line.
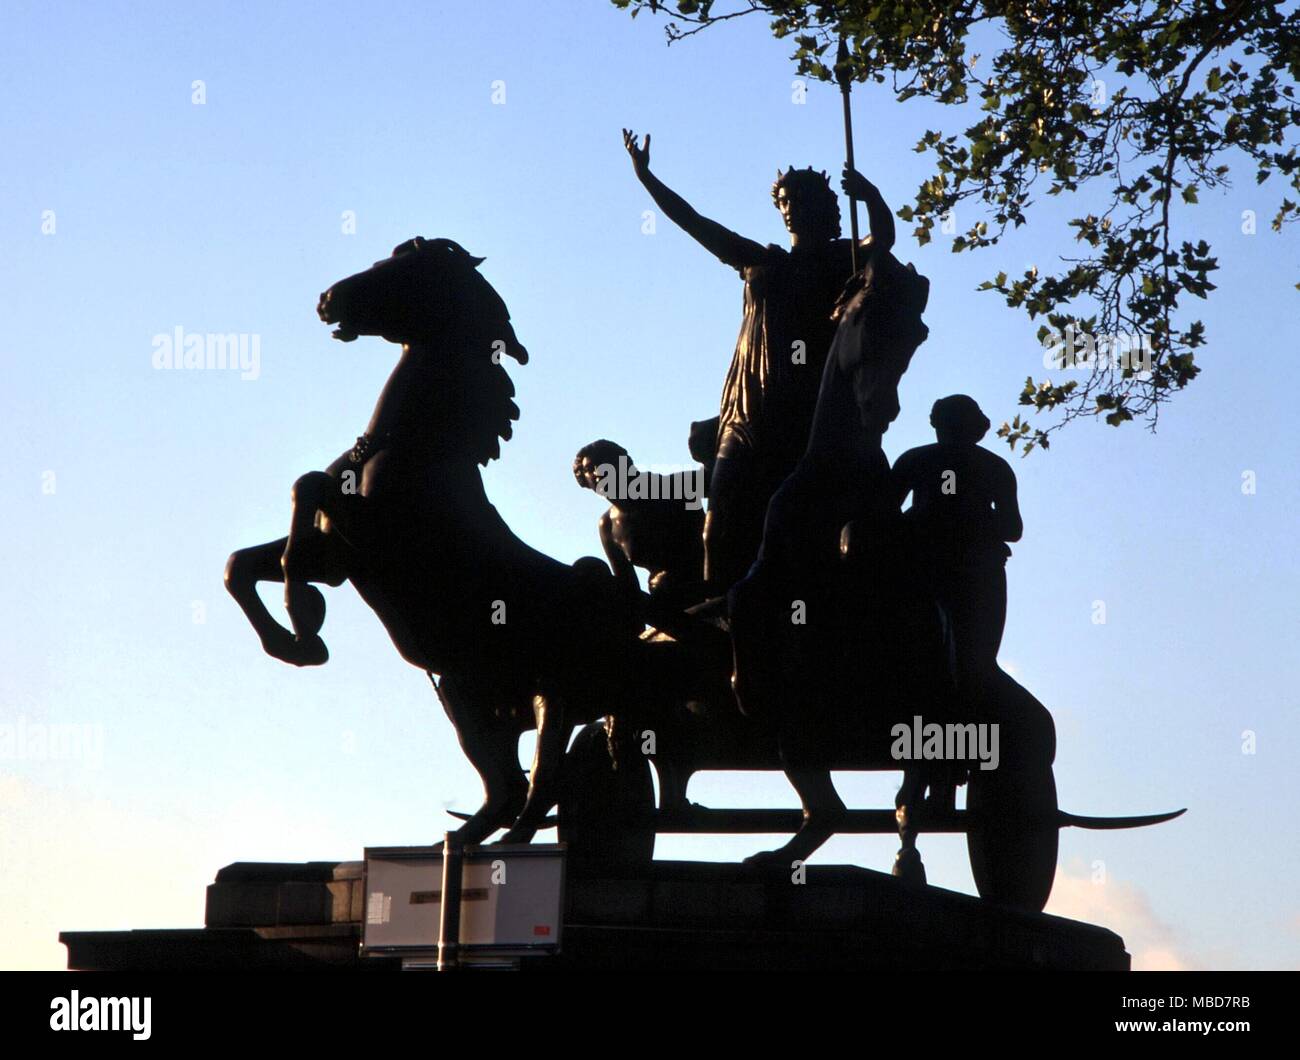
[127, 487]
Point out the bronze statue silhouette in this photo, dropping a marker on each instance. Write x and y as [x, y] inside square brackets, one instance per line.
[837, 638]
[787, 672]
[513, 638]
[873, 646]
[772, 384]
[654, 521]
[843, 473]
[964, 513]
[518, 638]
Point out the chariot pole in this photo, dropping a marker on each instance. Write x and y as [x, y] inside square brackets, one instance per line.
[844, 75]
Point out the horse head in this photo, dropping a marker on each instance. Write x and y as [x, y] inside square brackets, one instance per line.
[880, 327]
[429, 292]
[430, 296]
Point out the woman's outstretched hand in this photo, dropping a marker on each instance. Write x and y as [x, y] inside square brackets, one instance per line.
[640, 155]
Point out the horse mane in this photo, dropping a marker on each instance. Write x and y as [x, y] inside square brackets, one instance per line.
[468, 401]
[482, 389]
[481, 395]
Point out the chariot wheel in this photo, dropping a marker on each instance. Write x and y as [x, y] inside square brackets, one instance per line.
[606, 815]
[1012, 836]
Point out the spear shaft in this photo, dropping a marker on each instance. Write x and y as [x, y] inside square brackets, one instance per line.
[844, 75]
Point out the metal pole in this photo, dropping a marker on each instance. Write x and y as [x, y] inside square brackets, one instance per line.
[844, 75]
[453, 862]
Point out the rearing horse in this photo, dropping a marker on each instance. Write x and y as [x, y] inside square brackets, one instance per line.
[517, 637]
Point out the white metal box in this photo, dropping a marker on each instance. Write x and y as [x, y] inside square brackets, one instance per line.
[512, 900]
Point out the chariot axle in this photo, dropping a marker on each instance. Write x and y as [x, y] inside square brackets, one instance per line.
[703, 820]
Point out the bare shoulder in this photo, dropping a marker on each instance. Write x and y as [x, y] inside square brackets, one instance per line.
[914, 461]
[908, 458]
[996, 464]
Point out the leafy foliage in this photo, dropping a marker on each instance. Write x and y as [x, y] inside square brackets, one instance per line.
[1143, 101]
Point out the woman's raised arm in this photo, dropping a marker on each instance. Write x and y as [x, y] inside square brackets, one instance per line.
[724, 244]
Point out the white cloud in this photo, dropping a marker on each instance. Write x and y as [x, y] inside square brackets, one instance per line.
[1124, 909]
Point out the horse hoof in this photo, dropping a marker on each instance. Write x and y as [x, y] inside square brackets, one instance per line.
[311, 652]
[306, 607]
[767, 860]
[515, 836]
[298, 651]
[908, 868]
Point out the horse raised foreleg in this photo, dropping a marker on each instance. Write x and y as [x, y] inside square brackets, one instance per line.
[309, 557]
[260, 563]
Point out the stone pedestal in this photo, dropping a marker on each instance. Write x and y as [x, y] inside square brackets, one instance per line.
[680, 916]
